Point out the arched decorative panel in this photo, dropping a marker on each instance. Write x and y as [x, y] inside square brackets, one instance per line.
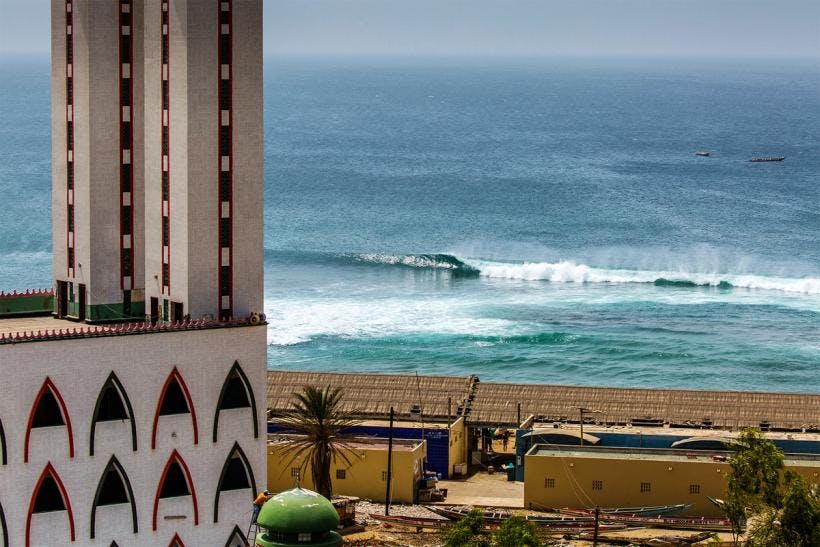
[237, 473]
[236, 538]
[48, 410]
[168, 404]
[49, 494]
[175, 464]
[113, 404]
[236, 392]
[114, 487]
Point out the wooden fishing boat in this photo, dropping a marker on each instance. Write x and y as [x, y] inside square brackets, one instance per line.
[413, 522]
[713, 524]
[767, 158]
[652, 511]
[554, 527]
[458, 513]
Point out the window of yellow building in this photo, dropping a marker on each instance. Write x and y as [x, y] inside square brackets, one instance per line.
[646, 487]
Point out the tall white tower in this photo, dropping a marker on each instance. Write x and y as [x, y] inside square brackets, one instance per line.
[157, 158]
[97, 159]
[203, 158]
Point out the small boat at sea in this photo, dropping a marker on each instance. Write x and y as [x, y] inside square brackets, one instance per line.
[767, 158]
[703, 154]
[651, 511]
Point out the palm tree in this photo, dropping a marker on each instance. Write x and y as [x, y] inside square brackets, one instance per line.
[317, 422]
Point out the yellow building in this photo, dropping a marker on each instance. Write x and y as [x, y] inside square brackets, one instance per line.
[366, 474]
[559, 476]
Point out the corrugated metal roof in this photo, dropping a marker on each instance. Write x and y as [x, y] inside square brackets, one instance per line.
[371, 395]
[497, 403]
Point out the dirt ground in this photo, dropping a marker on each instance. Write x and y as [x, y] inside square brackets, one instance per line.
[484, 490]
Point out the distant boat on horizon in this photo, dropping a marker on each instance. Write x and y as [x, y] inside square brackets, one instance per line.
[703, 154]
[767, 158]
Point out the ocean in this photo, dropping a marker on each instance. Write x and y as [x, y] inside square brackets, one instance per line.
[525, 220]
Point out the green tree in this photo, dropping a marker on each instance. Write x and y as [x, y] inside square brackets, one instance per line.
[800, 518]
[467, 532]
[754, 479]
[516, 531]
[777, 513]
[317, 422]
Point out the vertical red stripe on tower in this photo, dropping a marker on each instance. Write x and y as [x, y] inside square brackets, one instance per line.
[225, 160]
[126, 59]
[165, 152]
[69, 113]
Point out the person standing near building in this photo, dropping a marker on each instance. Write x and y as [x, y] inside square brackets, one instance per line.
[258, 503]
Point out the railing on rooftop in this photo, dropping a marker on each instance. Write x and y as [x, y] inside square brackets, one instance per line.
[28, 303]
[118, 329]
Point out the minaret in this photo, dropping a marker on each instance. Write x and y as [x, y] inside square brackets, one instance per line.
[203, 158]
[97, 159]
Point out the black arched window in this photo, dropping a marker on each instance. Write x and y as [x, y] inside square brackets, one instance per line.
[175, 483]
[49, 498]
[236, 476]
[47, 413]
[173, 401]
[111, 407]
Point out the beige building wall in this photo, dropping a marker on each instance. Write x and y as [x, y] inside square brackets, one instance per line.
[365, 477]
[556, 481]
[195, 159]
[143, 363]
[457, 453]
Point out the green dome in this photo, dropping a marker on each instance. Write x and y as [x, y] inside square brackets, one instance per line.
[298, 511]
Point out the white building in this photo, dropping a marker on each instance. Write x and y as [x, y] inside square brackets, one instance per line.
[136, 415]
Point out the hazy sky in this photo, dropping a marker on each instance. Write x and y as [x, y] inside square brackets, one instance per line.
[723, 28]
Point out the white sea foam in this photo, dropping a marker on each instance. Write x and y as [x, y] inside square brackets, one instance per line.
[296, 321]
[571, 272]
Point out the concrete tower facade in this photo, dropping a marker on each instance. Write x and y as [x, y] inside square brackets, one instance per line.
[203, 109]
[97, 158]
[157, 192]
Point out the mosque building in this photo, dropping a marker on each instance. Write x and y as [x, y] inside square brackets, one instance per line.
[133, 413]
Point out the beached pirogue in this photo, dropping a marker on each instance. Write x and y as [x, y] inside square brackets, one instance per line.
[582, 519]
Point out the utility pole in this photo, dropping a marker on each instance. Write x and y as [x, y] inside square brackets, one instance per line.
[582, 410]
[595, 534]
[389, 463]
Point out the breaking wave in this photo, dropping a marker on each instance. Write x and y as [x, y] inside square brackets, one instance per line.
[435, 261]
[571, 272]
[565, 271]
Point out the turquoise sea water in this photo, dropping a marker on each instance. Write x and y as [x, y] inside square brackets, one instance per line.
[523, 220]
